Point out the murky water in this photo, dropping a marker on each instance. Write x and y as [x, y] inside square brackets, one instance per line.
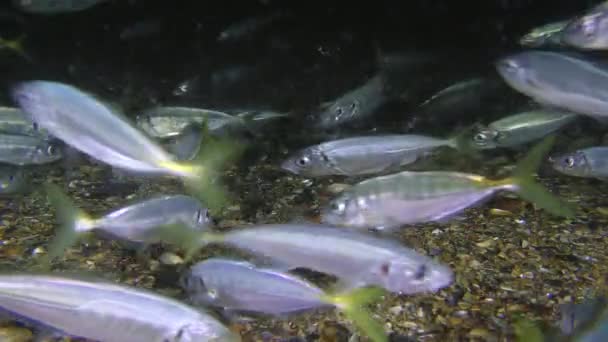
[521, 262]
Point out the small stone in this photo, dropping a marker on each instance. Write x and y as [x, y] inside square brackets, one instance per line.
[38, 250]
[479, 332]
[486, 244]
[525, 244]
[500, 212]
[395, 310]
[15, 334]
[170, 259]
[337, 188]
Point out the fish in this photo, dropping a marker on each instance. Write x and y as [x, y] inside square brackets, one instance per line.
[132, 223]
[27, 150]
[246, 28]
[521, 128]
[410, 197]
[108, 136]
[105, 311]
[54, 6]
[588, 31]
[546, 35]
[363, 155]
[354, 105]
[561, 80]
[591, 162]
[241, 286]
[15, 121]
[165, 122]
[187, 145]
[329, 249]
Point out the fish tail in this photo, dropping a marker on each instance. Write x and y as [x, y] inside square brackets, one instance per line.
[17, 46]
[72, 221]
[529, 189]
[181, 236]
[202, 176]
[352, 303]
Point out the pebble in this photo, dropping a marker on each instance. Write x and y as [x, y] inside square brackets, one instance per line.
[170, 259]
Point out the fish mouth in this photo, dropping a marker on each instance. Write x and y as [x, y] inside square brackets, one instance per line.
[288, 166]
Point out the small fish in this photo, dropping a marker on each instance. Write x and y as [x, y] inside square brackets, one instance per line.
[15, 121]
[241, 286]
[563, 80]
[164, 122]
[26, 150]
[589, 31]
[55, 6]
[246, 28]
[546, 35]
[332, 250]
[355, 105]
[413, 197]
[521, 128]
[590, 162]
[132, 223]
[363, 155]
[103, 311]
[106, 135]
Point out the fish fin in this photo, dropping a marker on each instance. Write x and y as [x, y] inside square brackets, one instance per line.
[530, 190]
[70, 220]
[203, 173]
[527, 331]
[352, 305]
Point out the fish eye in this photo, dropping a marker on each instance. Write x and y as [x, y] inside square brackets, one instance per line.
[480, 137]
[420, 272]
[570, 162]
[212, 293]
[51, 150]
[338, 206]
[303, 161]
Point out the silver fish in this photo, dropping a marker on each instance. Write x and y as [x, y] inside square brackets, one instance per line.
[240, 285]
[135, 223]
[362, 155]
[521, 128]
[187, 145]
[546, 35]
[407, 197]
[108, 312]
[355, 104]
[588, 31]
[27, 150]
[103, 134]
[334, 250]
[560, 80]
[54, 6]
[15, 121]
[590, 162]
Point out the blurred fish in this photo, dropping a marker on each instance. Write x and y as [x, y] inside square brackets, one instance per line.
[241, 286]
[26, 150]
[590, 162]
[561, 80]
[413, 197]
[521, 128]
[104, 311]
[546, 35]
[106, 135]
[141, 29]
[363, 155]
[12, 180]
[15, 121]
[132, 223]
[589, 31]
[355, 105]
[163, 122]
[186, 145]
[246, 28]
[357, 259]
[54, 6]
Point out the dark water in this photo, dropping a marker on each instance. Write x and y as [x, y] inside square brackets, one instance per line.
[313, 54]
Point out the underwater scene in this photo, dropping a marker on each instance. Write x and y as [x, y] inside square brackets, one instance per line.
[303, 171]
